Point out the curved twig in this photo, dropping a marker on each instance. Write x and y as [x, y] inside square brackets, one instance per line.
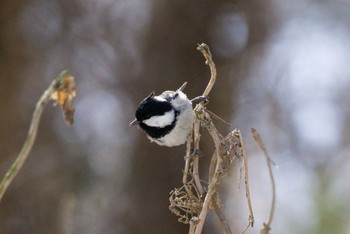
[267, 226]
[246, 182]
[61, 90]
[204, 48]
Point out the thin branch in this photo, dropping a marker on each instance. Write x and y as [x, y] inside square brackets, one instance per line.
[196, 175]
[220, 214]
[214, 180]
[195, 135]
[187, 202]
[193, 223]
[187, 163]
[209, 61]
[246, 182]
[195, 170]
[216, 159]
[267, 226]
[61, 90]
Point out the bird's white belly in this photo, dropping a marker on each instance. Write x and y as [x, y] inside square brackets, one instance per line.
[179, 134]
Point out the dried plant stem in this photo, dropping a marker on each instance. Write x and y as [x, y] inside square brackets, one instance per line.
[246, 183]
[33, 129]
[187, 163]
[267, 226]
[214, 180]
[196, 126]
[220, 214]
[204, 49]
[196, 175]
[17, 165]
[192, 202]
[209, 61]
[197, 135]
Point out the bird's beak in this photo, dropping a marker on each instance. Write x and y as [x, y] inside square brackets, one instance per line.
[134, 122]
[152, 94]
[182, 87]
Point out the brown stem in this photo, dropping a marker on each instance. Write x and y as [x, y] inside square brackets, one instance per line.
[209, 61]
[62, 80]
[246, 182]
[221, 215]
[267, 226]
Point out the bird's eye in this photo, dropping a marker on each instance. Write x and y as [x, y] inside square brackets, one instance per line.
[170, 96]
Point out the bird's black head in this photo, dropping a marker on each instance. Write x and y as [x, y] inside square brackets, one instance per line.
[153, 106]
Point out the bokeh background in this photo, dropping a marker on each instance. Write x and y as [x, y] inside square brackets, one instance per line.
[283, 68]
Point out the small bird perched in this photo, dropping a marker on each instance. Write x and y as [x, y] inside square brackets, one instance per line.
[167, 118]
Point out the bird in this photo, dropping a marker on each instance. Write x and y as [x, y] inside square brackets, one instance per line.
[167, 118]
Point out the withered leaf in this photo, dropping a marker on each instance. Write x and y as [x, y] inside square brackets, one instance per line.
[64, 94]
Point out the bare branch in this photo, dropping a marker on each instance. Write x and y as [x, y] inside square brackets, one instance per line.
[209, 61]
[267, 226]
[246, 182]
[220, 214]
[214, 180]
[192, 202]
[62, 91]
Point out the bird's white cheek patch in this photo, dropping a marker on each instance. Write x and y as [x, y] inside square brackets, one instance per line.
[161, 121]
[160, 99]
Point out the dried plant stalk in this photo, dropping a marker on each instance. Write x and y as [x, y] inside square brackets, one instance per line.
[267, 225]
[62, 90]
[246, 183]
[192, 202]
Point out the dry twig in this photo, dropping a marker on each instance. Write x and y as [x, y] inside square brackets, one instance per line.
[192, 202]
[246, 182]
[267, 226]
[62, 91]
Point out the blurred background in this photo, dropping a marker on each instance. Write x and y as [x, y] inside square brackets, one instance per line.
[282, 69]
